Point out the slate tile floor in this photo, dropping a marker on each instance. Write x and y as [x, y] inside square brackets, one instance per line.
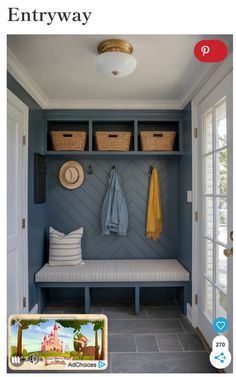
[160, 340]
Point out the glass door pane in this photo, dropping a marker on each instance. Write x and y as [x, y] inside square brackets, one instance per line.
[208, 302]
[221, 267]
[215, 212]
[221, 304]
[221, 130]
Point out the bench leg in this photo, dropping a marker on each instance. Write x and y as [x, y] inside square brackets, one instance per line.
[185, 291]
[42, 299]
[39, 300]
[182, 298]
[87, 300]
[137, 300]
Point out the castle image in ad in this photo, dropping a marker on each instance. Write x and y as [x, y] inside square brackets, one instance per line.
[52, 342]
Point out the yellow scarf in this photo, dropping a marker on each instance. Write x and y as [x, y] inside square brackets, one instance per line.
[154, 213]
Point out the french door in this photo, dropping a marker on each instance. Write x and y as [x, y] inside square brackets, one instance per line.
[215, 286]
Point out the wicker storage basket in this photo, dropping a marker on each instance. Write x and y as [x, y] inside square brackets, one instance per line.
[113, 141]
[157, 140]
[68, 140]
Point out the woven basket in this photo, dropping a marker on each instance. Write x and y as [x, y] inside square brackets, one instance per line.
[112, 141]
[157, 140]
[68, 140]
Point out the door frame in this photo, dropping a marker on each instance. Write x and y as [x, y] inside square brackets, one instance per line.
[16, 102]
[222, 71]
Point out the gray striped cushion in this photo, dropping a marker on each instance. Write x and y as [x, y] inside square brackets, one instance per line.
[131, 270]
[65, 250]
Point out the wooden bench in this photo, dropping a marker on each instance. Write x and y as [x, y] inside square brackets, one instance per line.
[115, 273]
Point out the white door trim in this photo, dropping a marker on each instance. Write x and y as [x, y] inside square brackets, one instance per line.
[195, 208]
[217, 77]
[15, 101]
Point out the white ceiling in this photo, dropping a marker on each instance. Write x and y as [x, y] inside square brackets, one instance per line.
[59, 70]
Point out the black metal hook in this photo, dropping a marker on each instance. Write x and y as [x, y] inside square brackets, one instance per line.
[150, 170]
[90, 169]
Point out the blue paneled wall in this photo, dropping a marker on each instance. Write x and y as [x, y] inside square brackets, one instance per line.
[69, 209]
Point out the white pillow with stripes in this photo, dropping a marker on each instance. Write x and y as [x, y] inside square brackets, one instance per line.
[65, 250]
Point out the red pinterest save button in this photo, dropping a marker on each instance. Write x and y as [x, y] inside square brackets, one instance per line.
[210, 51]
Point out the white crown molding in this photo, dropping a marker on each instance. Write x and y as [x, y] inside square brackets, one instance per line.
[15, 68]
[220, 69]
[18, 72]
[217, 76]
[114, 104]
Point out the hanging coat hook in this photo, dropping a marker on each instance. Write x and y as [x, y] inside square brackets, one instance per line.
[90, 169]
[150, 170]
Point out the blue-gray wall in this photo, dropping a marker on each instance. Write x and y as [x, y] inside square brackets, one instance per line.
[67, 210]
[70, 209]
[185, 209]
[37, 213]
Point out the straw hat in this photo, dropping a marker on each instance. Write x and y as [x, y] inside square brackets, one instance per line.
[71, 175]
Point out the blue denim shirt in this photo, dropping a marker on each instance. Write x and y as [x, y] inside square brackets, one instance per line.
[114, 208]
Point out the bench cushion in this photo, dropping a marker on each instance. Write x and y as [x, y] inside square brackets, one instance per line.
[142, 270]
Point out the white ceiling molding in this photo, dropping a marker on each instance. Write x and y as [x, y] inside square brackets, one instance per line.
[114, 104]
[25, 80]
[220, 69]
[220, 73]
[18, 72]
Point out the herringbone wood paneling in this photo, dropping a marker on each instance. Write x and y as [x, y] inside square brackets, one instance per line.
[70, 209]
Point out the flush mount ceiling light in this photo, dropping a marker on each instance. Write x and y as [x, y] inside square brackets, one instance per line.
[115, 58]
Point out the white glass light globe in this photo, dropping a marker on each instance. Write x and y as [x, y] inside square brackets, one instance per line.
[115, 64]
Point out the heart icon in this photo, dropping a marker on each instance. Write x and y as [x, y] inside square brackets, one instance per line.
[220, 325]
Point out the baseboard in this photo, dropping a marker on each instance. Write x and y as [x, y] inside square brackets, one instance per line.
[35, 309]
[189, 312]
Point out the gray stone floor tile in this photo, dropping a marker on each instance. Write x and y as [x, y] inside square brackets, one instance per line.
[186, 325]
[161, 312]
[121, 343]
[122, 312]
[114, 304]
[169, 343]
[146, 343]
[191, 342]
[144, 326]
[163, 303]
[172, 362]
[160, 340]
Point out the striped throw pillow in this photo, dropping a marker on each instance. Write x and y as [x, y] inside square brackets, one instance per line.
[65, 250]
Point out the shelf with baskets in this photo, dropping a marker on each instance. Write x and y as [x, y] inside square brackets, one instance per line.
[159, 136]
[114, 137]
[63, 136]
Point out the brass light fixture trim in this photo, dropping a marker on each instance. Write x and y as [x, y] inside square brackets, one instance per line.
[118, 45]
